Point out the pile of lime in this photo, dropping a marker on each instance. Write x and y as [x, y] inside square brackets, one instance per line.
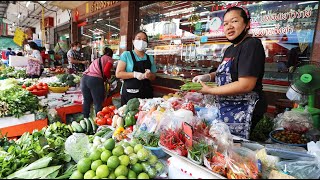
[123, 160]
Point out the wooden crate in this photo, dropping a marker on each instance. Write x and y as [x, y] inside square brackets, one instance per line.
[18, 130]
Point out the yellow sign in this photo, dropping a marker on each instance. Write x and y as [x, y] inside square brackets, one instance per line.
[98, 5]
[19, 37]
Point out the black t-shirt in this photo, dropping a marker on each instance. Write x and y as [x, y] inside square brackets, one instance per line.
[249, 57]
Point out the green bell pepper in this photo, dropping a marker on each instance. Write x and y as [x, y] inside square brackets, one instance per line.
[129, 120]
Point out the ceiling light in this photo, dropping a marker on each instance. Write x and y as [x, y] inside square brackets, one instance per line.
[42, 2]
[12, 24]
[19, 15]
[99, 19]
[28, 3]
[87, 35]
[308, 2]
[113, 27]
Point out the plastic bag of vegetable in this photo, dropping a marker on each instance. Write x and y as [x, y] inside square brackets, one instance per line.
[306, 168]
[77, 146]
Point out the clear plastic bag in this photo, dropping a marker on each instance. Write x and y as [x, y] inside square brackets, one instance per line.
[221, 134]
[306, 168]
[208, 114]
[294, 121]
[241, 164]
[77, 146]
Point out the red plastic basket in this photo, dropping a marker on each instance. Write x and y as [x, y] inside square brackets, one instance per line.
[40, 92]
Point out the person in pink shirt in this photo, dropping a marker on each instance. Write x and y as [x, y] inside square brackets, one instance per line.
[92, 82]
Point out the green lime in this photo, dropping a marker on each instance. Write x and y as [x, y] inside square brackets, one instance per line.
[128, 150]
[137, 147]
[112, 175]
[118, 151]
[96, 177]
[143, 154]
[76, 175]
[152, 172]
[109, 144]
[89, 174]
[102, 171]
[125, 144]
[143, 176]
[159, 167]
[84, 165]
[145, 166]
[153, 159]
[124, 160]
[121, 171]
[95, 164]
[105, 155]
[113, 162]
[137, 168]
[121, 177]
[95, 154]
[132, 175]
[133, 158]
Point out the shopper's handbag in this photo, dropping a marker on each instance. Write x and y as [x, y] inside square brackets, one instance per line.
[33, 68]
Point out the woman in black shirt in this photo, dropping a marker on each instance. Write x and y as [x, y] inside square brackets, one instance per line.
[239, 93]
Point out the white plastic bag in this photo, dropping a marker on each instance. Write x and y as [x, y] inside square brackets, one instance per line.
[77, 146]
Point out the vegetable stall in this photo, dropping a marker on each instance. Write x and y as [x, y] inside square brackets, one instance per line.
[174, 136]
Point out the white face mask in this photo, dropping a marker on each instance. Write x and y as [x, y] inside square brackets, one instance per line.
[78, 49]
[140, 45]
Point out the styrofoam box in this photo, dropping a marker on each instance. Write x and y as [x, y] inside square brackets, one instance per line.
[180, 169]
[11, 121]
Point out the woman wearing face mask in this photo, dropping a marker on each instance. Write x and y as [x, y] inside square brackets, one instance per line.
[76, 64]
[239, 93]
[137, 69]
[35, 63]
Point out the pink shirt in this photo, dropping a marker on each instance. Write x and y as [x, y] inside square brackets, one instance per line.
[94, 69]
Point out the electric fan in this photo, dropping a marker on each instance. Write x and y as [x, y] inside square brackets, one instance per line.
[304, 83]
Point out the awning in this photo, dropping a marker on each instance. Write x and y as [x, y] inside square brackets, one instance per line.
[67, 4]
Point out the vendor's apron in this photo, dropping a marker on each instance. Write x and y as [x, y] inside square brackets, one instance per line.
[236, 111]
[134, 88]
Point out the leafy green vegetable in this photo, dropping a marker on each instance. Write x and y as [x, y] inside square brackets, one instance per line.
[147, 139]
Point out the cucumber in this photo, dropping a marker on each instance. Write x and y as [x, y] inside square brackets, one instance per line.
[94, 126]
[83, 124]
[70, 128]
[89, 127]
[77, 127]
[100, 133]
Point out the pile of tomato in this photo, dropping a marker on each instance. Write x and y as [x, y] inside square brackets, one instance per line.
[104, 117]
[36, 87]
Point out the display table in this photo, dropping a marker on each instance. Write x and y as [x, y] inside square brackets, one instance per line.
[72, 109]
[18, 130]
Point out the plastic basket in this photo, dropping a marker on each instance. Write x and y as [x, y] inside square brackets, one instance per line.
[58, 89]
[277, 141]
[40, 92]
[157, 151]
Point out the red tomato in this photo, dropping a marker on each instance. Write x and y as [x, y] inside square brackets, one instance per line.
[112, 114]
[24, 86]
[35, 90]
[112, 108]
[45, 87]
[107, 115]
[100, 114]
[45, 84]
[102, 121]
[96, 119]
[130, 127]
[109, 121]
[105, 110]
[39, 87]
[40, 84]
